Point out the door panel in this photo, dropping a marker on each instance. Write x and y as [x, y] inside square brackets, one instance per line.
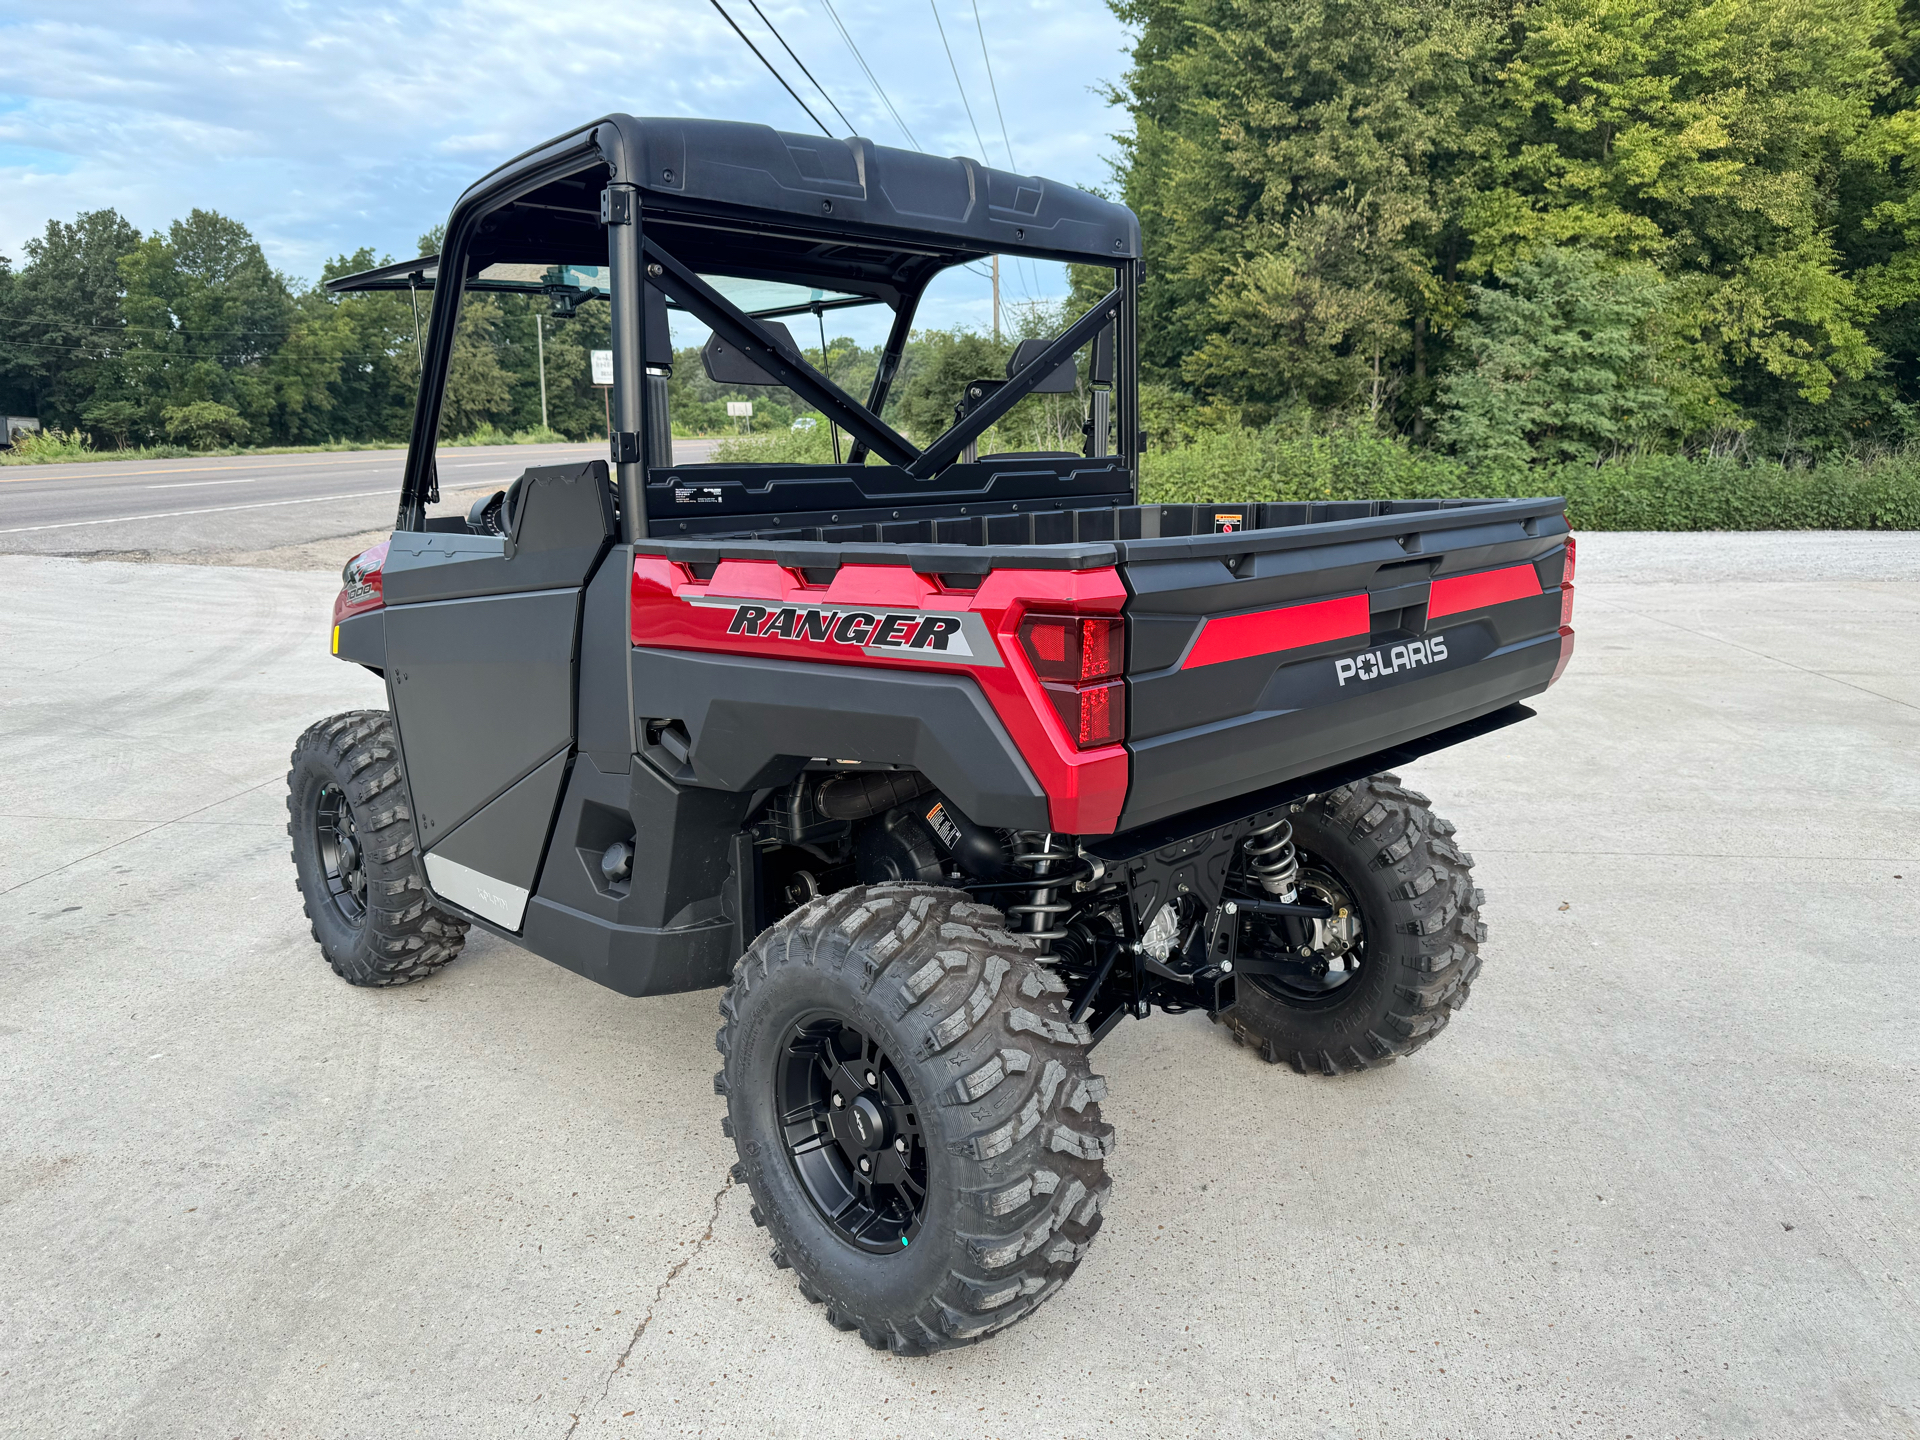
[482, 648]
[483, 692]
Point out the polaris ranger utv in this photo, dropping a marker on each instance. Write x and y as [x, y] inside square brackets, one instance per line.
[942, 764]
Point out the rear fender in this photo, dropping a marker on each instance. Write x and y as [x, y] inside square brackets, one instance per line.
[879, 623]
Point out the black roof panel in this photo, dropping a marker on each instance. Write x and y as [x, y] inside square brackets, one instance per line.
[814, 184]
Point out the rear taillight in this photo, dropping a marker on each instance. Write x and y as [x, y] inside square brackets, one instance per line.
[1073, 648]
[1567, 584]
[1078, 660]
[1095, 715]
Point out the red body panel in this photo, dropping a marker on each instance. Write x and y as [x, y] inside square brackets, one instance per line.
[1085, 789]
[364, 594]
[1452, 594]
[1567, 653]
[1262, 632]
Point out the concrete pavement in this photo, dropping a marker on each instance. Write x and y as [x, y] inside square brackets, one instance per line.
[1658, 1178]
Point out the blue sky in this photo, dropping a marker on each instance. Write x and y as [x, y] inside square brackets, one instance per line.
[325, 127]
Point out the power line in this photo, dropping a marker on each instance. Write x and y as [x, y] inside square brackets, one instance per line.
[803, 67]
[1021, 265]
[141, 353]
[861, 60]
[981, 30]
[192, 330]
[771, 70]
[957, 80]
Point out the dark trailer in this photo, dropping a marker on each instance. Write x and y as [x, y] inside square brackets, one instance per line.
[942, 763]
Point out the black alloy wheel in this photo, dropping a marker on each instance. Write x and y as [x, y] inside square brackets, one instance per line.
[960, 1177]
[852, 1133]
[338, 845]
[1408, 950]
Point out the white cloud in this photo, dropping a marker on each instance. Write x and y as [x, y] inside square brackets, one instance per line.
[329, 127]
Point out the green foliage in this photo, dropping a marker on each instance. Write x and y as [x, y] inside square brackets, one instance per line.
[60, 315]
[204, 424]
[1663, 492]
[928, 389]
[939, 364]
[1562, 365]
[494, 435]
[1320, 187]
[1658, 254]
[809, 446]
[120, 420]
[43, 446]
[478, 385]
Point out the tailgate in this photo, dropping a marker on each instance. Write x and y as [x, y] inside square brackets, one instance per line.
[1260, 655]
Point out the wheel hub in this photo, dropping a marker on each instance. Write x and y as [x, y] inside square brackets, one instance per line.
[852, 1133]
[867, 1122]
[337, 842]
[1332, 950]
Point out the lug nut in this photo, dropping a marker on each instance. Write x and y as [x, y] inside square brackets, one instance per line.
[840, 1100]
[900, 1144]
[870, 1078]
[865, 1164]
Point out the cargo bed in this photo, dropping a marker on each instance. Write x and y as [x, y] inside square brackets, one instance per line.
[1263, 641]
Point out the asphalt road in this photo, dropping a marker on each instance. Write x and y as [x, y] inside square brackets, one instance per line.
[1658, 1178]
[222, 506]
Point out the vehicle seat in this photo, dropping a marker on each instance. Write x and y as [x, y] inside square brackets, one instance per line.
[494, 514]
[1061, 382]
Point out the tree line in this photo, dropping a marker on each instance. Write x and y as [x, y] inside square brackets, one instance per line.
[189, 336]
[1551, 230]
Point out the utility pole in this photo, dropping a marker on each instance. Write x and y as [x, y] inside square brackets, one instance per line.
[997, 298]
[540, 346]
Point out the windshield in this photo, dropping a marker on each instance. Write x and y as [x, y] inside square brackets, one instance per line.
[756, 297]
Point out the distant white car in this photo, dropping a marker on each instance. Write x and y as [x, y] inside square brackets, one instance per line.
[806, 422]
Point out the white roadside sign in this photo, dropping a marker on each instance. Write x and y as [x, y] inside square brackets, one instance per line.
[740, 408]
[603, 362]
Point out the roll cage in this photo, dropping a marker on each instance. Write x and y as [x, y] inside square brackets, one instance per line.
[660, 209]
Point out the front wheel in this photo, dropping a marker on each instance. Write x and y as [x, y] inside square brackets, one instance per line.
[1382, 978]
[354, 857]
[914, 1114]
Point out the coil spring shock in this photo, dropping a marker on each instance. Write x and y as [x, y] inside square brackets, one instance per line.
[1272, 859]
[1039, 915]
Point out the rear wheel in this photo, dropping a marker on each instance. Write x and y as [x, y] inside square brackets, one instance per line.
[354, 855]
[914, 1114]
[1387, 973]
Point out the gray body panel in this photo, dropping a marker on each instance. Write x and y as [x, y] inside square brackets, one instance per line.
[482, 692]
[667, 927]
[754, 722]
[502, 843]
